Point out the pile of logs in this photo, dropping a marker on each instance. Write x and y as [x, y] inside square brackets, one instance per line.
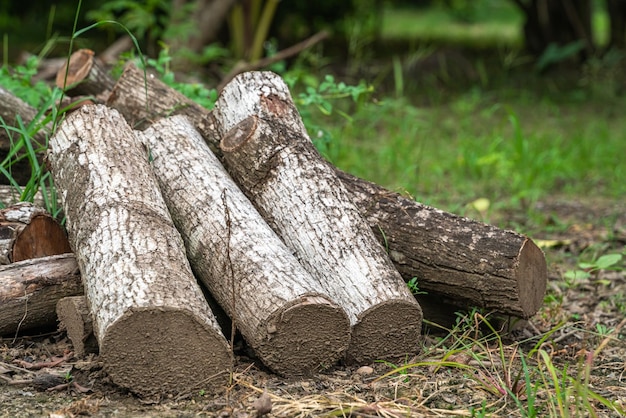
[165, 200]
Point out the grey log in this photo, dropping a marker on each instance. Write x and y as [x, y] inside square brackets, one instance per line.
[281, 311]
[156, 332]
[273, 160]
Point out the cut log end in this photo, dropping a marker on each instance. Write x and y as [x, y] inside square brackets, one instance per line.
[239, 134]
[159, 352]
[532, 278]
[80, 64]
[42, 237]
[73, 314]
[305, 337]
[388, 331]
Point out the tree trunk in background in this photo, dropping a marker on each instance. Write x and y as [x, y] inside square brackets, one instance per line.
[30, 289]
[617, 19]
[155, 330]
[281, 311]
[28, 231]
[559, 22]
[271, 157]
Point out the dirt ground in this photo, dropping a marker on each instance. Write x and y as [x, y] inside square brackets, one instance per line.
[579, 310]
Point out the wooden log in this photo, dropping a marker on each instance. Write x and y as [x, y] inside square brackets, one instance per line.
[10, 108]
[272, 159]
[28, 231]
[517, 268]
[75, 318]
[144, 99]
[154, 328]
[280, 310]
[464, 262]
[30, 289]
[84, 75]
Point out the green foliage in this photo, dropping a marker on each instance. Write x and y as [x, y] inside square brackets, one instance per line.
[414, 288]
[194, 91]
[145, 19]
[588, 269]
[555, 54]
[19, 81]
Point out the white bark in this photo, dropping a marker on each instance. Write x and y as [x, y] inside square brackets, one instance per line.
[279, 308]
[155, 330]
[271, 157]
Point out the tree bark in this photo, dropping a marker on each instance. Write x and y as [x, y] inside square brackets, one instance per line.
[10, 107]
[30, 289]
[410, 228]
[84, 76]
[144, 99]
[154, 328]
[274, 162]
[28, 231]
[279, 308]
[75, 318]
[464, 262]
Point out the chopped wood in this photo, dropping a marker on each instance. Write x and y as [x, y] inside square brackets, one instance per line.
[510, 268]
[84, 75]
[144, 99]
[30, 289]
[461, 261]
[156, 332]
[280, 309]
[75, 319]
[299, 194]
[28, 231]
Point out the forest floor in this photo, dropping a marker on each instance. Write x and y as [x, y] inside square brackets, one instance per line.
[580, 329]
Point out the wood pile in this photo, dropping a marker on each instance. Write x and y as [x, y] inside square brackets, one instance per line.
[164, 199]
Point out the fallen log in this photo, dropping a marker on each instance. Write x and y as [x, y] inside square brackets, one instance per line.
[84, 75]
[30, 289]
[154, 328]
[10, 108]
[28, 231]
[75, 319]
[463, 262]
[144, 99]
[272, 159]
[423, 241]
[281, 311]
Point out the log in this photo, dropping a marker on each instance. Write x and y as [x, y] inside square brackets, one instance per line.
[154, 328]
[514, 265]
[75, 319]
[30, 289]
[270, 156]
[281, 311]
[10, 107]
[84, 75]
[463, 262]
[28, 231]
[143, 99]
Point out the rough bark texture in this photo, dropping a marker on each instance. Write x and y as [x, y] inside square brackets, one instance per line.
[143, 99]
[155, 330]
[465, 262]
[30, 289]
[278, 307]
[75, 318]
[28, 231]
[10, 107]
[409, 229]
[271, 157]
[84, 76]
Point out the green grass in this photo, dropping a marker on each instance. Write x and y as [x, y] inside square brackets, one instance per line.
[511, 151]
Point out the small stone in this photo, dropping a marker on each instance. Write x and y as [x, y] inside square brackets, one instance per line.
[263, 405]
[365, 370]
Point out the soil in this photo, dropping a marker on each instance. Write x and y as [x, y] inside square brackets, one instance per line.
[579, 316]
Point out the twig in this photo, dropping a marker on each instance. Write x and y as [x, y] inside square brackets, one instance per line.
[243, 66]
